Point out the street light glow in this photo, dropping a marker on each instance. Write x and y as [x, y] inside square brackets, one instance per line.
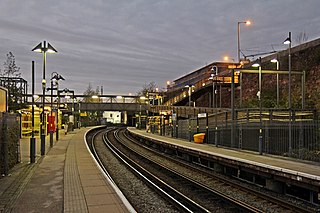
[241, 22]
[288, 40]
[256, 64]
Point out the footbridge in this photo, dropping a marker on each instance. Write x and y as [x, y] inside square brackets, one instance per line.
[93, 103]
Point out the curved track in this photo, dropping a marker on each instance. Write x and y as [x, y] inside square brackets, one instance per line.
[190, 188]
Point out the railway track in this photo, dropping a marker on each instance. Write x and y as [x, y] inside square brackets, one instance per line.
[191, 188]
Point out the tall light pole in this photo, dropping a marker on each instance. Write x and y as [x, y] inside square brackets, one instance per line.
[32, 139]
[189, 93]
[258, 64]
[241, 22]
[54, 76]
[288, 41]
[278, 92]
[44, 48]
[66, 90]
[214, 70]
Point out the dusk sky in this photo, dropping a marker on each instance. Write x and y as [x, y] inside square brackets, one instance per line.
[124, 44]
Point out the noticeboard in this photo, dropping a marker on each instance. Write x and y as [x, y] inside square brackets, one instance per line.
[3, 99]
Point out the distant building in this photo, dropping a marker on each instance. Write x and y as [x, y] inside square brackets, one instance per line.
[112, 116]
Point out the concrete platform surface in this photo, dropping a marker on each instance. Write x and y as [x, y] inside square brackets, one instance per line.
[66, 179]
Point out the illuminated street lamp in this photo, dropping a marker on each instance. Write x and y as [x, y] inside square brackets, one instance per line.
[66, 90]
[241, 22]
[189, 92]
[54, 76]
[288, 41]
[278, 92]
[214, 73]
[44, 48]
[258, 64]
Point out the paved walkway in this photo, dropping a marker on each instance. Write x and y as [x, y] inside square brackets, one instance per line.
[66, 179]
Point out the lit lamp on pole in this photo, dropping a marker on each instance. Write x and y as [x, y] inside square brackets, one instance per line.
[258, 64]
[241, 22]
[288, 42]
[44, 48]
[55, 77]
[278, 92]
[214, 73]
[67, 91]
[189, 92]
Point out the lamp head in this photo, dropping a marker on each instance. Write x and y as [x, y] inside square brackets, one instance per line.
[288, 40]
[45, 48]
[248, 22]
[38, 48]
[58, 77]
[274, 60]
[257, 63]
[51, 49]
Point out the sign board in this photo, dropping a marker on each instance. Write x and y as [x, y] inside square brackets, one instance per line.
[3, 99]
[202, 115]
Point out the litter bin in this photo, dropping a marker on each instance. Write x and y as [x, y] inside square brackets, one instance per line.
[198, 138]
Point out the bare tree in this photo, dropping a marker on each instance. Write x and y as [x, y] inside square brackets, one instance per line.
[151, 87]
[10, 67]
[302, 37]
[89, 93]
[10, 78]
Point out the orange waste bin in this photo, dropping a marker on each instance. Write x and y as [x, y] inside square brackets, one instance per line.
[198, 138]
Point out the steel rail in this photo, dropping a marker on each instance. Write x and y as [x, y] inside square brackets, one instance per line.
[180, 201]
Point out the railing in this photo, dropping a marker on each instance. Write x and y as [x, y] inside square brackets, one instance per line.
[199, 85]
[275, 124]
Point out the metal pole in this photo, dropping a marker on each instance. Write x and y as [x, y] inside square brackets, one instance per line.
[58, 105]
[260, 112]
[51, 121]
[290, 106]
[43, 122]
[303, 88]
[239, 42]
[79, 114]
[232, 110]
[278, 90]
[189, 95]
[213, 92]
[32, 139]
[73, 109]
[240, 82]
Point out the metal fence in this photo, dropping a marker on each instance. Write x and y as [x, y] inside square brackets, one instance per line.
[287, 133]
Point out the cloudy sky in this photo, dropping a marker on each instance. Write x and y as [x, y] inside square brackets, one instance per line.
[124, 44]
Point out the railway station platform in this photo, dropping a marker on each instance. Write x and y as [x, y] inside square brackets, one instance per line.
[66, 179]
[277, 171]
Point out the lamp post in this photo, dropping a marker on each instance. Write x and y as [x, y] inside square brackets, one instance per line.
[43, 48]
[66, 90]
[258, 64]
[214, 70]
[189, 93]
[32, 139]
[278, 92]
[54, 76]
[241, 22]
[288, 41]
